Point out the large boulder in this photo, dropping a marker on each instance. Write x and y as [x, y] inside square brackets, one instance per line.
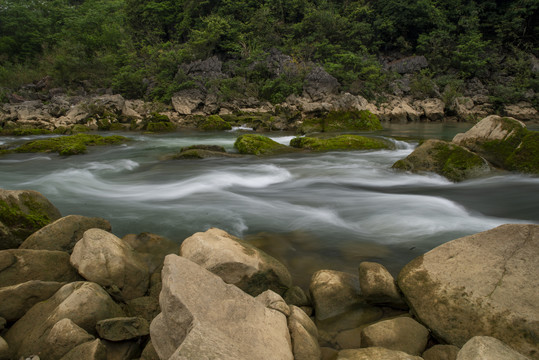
[187, 101]
[433, 109]
[105, 259]
[522, 111]
[152, 248]
[203, 317]
[91, 350]
[23, 212]
[341, 142]
[319, 84]
[236, 262]
[64, 336]
[64, 233]
[253, 144]
[482, 284]
[19, 266]
[486, 347]
[375, 353]
[378, 285]
[304, 335]
[84, 303]
[450, 160]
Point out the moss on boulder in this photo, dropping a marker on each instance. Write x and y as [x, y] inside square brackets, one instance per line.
[160, 126]
[260, 145]
[449, 160]
[342, 142]
[362, 120]
[69, 145]
[215, 122]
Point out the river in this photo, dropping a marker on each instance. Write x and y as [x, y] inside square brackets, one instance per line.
[312, 211]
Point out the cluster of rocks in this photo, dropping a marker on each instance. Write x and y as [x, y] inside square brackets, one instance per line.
[73, 290]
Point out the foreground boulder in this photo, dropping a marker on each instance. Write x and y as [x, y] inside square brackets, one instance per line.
[63, 234]
[375, 353]
[105, 259]
[339, 143]
[23, 212]
[252, 144]
[486, 347]
[378, 285]
[236, 262]
[482, 284]
[204, 318]
[452, 161]
[83, 303]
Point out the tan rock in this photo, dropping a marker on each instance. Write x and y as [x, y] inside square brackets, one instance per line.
[401, 334]
[17, 299]
[152, 248]
[378, 285]
[122, 328]
[4, 349]
[486, 347]
[522, 111]
[441, 352]
[94, 350]
[63, 337]
[304, 335]
[374, 353]
[433, 109]
[274, 301]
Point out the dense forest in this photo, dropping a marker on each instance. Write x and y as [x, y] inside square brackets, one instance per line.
[137, 47]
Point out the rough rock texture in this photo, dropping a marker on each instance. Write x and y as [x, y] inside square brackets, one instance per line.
[296, 296]
[441, 352]
[319, 84]
[341, 142]
[145, 306]
[149, 352]
[236, 262]
[123, 328]
[64, 336]
[227, 324]
[378, 285]
[107, 260]
[482, 284]
[486, 347]
[375, 353]
[408, 65]
[16, 300]
[433, 109]
[19, 266]
[304, 335]
[123, 350]
[492, 127]
[94, 350]
[64, 233]
[21, 213]
[4, 349]
[187, 101]
[452, 161]
[333, 293]
[84, 303]
[152, 248]
[402, 334]
[274, 301]
[522, 111]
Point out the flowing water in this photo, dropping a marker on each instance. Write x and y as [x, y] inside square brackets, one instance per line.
[312, 211]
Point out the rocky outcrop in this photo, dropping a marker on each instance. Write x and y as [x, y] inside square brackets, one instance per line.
[340, 143]
[408, 65]
[522, 111]
[187, 101]
[482, 284]
[319, 84]
[227, 324]
[63, 234]
[236, 262]
[486, 347]
[105, 259]
[22, 212]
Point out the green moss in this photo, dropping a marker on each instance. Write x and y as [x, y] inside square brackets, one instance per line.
[525, 158]
[402, 165]
[215, 122]
[78, 128]
[156, 117]
[362, 120]
[160, 126]
[259, 145]
[27, 132]
[343, 142]
[455, 162]
[23, 223]
[69, 145]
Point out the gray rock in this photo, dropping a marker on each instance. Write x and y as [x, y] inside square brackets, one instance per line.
[274, 301]
[122, 328]
[375, 353]
[107, 260]
[441, 352]
[16, 300]
[319, 84]
[152, 248]
[84, 303]
[334, 293]
[227, 324]
[19, 266]
[378, 285]
[64, 233]
[486, 347]
[21, 213]
[482, 284]
[408, 65]
[236, 262]
[94, 350]
[304, 335]
[185, 102]
[63, 337]
[296, 296]
[210, 68]
[146, 307]
[401, 334]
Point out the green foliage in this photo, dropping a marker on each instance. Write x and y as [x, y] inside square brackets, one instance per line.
[160, 126]
[69, 145]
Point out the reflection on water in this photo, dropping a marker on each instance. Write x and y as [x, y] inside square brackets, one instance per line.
[312, 211]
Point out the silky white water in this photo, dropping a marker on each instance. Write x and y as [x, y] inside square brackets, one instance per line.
[312, 211]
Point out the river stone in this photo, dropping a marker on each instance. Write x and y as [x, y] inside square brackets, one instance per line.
[236, 262]
[296, 296]
[107, 260]
[149, 352]
[122, 328]
[375, 353]
[63, 337]
[441, 352]
[402, 334]
[152, 248]
[304, 335]
[93, 350]
[64, 233]
[225, 324]
[4, 349]
[19, 266]
[23, 212]
[16, 300]
[146, 307]
[378, 285]
[333, 293]
[486, 347]
[274, 301]
[123, 350]
[84, 303]
[482, 284]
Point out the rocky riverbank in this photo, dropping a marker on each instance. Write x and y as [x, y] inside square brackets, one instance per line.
[70, 289]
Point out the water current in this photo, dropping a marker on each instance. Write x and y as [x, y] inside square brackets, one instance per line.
[312, 211]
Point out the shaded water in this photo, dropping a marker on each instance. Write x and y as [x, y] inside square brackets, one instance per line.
[312, 211]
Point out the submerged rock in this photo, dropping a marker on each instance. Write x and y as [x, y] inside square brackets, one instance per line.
[260, 145]
[482, 284]
[342, 142]
[69, 145]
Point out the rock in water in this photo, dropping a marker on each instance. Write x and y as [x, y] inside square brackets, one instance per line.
[482, 284]
[204, 318]
[236, 262]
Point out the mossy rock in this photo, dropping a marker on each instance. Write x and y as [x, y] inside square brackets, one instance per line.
[340, 143]
[69, 145]
[253, 144]
[201, 154]
[449, 160]
[215, 122]
[156, 117]
[160, 127]
[25, 132]
[362, 120]
[525, 158]
[215, 148]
